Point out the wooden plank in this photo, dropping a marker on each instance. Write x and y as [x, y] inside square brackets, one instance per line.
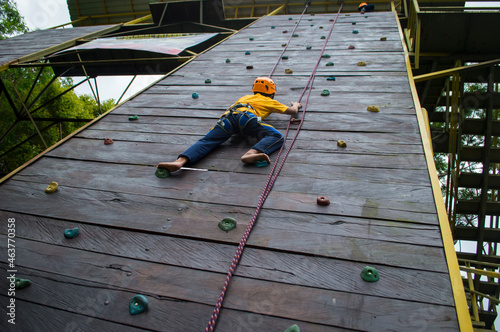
[75, 303]
[256, 296]
[226, 188]
[261, 264]
[325, 235]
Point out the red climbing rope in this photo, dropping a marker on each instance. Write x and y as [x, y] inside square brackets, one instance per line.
[273, 175]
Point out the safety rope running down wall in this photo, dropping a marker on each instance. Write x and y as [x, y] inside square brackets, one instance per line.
[273, 175]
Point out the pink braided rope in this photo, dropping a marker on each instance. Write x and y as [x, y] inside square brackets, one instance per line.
[270, 180]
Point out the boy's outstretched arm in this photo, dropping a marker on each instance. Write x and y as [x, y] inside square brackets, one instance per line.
[294, 109]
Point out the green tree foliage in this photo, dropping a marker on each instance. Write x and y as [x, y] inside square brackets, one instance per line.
[11, 22]
[67, 106]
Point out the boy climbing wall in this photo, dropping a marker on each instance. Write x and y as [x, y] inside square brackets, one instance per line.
[243, 117]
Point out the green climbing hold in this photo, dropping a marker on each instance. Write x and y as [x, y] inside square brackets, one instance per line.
[295, 35]
[312, 14]
[323, 37]
[353, 23]
[273, 27]
[21, 283]
[329, 64]
[308, 47]
[284, 57]
[208, 81]
[290, 18]
[137, 305]
[369, 274]
[71, 232]
[355, 31]
[133, 118]
[162, 173]
[247, 53]
[228, 60]
[261, 163]
[310, 19]
[325, 93]
[293, 328]
[331, 78]
[251, 38]
[195, 95]
[227, 224]
[325, 56]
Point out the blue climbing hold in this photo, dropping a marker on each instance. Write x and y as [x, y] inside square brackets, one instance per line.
[71, 232]
[247, 53]
[273, 27]
[355, 31]
[137, 305]
[261, 163]
[290, 18]
[331, 78]
[195, 95]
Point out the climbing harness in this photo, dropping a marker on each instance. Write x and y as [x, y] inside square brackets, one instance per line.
[273, 175]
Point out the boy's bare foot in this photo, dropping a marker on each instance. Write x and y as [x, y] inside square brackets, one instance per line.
[253, 155]
[173, 166]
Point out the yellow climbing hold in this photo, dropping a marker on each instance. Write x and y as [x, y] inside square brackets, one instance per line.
[373, 108]
[361, 63]
[341, 144]
[288, 71]
[52, 188]
[383, 38]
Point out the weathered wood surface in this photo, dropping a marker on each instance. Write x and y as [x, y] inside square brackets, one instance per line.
[159, 237]
[32, 42]
[319, 306]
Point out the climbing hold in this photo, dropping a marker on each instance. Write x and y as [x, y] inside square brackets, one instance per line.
[295, 35]
[284, 57]
[285, 31]
[361, 63]
[331, 78]
[347, 14]
[308, 47]
[21, 283]
[366, 16]
[321, 27]
[353, 23]
[323, 201]
[373, 108]
[355, 31]
[290, 18]
[283, 45]
[383, 38]
[288, 71]
[70, 233]
[325, 93]
[208, 81]
[351, 47]
[52, 187]
[312, 14]
[261, 163]
[331, 20]
[138, 304]
[329, 64]
[369, 274]
[228, 60]
[310, 19]
[250, 67]
[293, 328]
[133, 118]
[108, 141]
[295, 121]
[227, 224]
[341, 144]
[162, 173]
[195, 95]
[247, 53]
[251, 38]
[323, 37]
[326, 56]
[273, 27]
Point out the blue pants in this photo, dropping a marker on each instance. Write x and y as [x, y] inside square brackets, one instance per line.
[244, 123]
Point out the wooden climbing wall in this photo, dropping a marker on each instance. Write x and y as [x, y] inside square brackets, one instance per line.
[159, 237]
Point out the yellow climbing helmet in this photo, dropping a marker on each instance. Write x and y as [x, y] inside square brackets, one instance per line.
[264, 85]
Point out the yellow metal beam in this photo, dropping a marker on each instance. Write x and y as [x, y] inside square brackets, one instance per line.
[461, 307]
[139, 20]
[448, 72]
[491, 274]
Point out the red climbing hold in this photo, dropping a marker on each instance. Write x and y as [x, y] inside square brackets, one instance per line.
[294, 121]
[323, 201]
[351, 47]
[108, 141]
